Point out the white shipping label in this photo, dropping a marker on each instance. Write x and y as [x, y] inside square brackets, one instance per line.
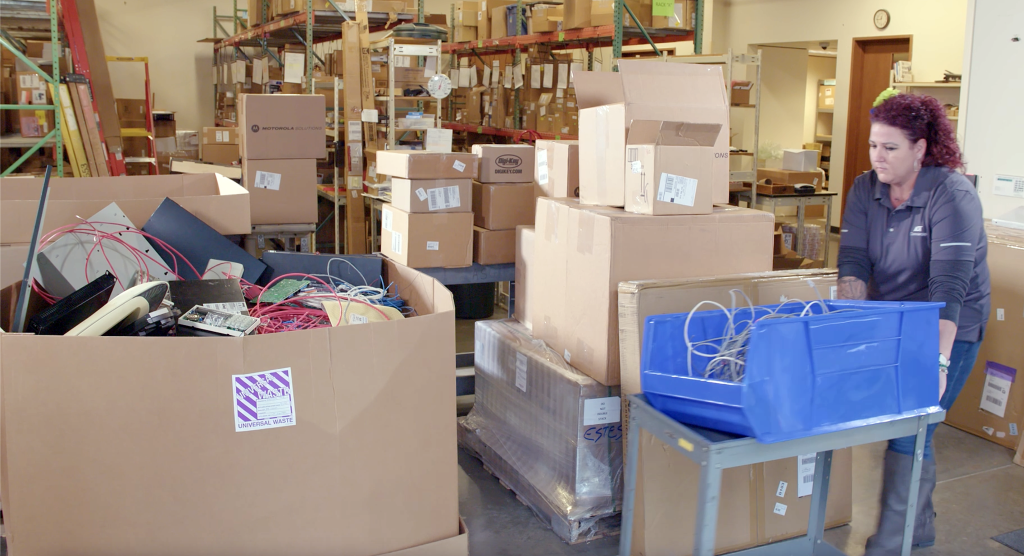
[805, 474]
[549, 76]
[535, 80]
[386, 218]
[1000, 434]
[517, 75]
[568, 356]
[421, 194]
[781, 491]
[677, 189]
[237, 307]
[268, 180]
[222, 136]
[988, 430]
[600, 411]
[443, 198]
[780, 508]
[636, 167]
[459, 166]
[357, 319]
[370, 116]
[542, 166]
[995, 394]
[433, 246]
[833, 292]
[1013, 429]
[507, 82]
[521, 371]
[396, 243]
[1000, 314]
[263, 400]
[563, 76]
[39, 96]
[355, 131]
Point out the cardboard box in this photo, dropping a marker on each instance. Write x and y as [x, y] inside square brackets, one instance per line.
[799, 160]
[525, 236]
[602, 13]
[55, 440]
[131, 112]
[774, 526]
[996, 384]
[557, 168]
[220, 135]
[432, 195]
[503, 206]
[427, 166]
[484, 16]
[420, 240]
[281, 191]
[461, 33]
[741, 93]
[221, 154]
[673, 167]
[505, 163]
[609, 101]
[545, 18]
[218, 201]
[499, 22]
[466, 13]
[12, 263]
[164, 126]
[32, 89]
[826, 96]
[791, 178]
[276, 127]
[577, 14]
[494, 246]
[583, 253]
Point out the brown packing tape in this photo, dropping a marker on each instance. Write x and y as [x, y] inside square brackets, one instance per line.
[585, 234]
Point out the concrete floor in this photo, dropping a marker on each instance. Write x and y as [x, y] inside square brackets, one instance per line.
[980, 494]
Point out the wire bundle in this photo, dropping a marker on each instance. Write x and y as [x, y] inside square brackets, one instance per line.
[727, 353]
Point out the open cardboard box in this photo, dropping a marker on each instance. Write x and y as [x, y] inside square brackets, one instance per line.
[216, 200]
[114, 445]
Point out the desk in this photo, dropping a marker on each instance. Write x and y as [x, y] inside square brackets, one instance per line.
[800, 202]
[716, 451]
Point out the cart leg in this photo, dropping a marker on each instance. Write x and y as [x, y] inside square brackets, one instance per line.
[915, 484]
[819, 499]
[629, 489]
[707, 508]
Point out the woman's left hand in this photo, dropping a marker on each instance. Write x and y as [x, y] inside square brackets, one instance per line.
[942, 382]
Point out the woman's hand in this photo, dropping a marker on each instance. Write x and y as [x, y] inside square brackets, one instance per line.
[942, 382]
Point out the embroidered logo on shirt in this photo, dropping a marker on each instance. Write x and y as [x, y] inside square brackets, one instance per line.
[918, 228]
[918, 231]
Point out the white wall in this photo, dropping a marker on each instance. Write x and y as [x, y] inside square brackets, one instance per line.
[991, 115]
[937, 27]
[783, 87]
[179, 68]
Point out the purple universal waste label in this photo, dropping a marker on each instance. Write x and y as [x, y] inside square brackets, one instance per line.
[263, 400]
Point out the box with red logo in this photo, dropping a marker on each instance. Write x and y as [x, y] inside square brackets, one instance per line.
[505, 163]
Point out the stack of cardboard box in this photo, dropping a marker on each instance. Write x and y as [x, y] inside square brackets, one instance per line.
[281, 138]
[467, 16]
[220, 145]
[430, 223]
[504, 197]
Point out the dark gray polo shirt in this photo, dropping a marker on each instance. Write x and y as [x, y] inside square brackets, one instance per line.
[941, 221]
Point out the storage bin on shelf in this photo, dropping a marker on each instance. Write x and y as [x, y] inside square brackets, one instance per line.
[864, 362]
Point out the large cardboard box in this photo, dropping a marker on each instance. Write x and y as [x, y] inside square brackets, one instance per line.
[220, 135]
[775, 522]
[741, 93]
[673, 167]
[484, 16]
[609, 101]
[525, 237]
[464, 34]
[582, 253]
[557, 168]
[505, 163]
[499, 22]
[281, 191]
[503, 206]
[427, 166]
[103, 435]
[545, 18]
[494, 246]
[577, 14]
[32, 89]
[218, 201]
[432, 195]
[12, 263]
[221, 154]
[991, 405]
[790, 177]
[420, 240]
[466, 13]
[275, 127]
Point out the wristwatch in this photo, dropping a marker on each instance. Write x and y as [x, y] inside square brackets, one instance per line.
[943, 364]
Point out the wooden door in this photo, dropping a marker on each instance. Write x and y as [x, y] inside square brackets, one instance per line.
[869, 75]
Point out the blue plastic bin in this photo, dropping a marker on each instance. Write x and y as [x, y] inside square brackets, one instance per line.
[804, 375]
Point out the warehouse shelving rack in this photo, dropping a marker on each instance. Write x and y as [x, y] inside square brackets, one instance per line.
[615, 36]
[54, 137]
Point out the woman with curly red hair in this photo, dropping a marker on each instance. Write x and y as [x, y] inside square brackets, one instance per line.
[913, 231]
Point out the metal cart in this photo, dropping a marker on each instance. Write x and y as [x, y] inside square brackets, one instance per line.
[716, 451]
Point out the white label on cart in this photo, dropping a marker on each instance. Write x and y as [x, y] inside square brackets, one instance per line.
[542, 167]
[443, 198]
[521, 371]
[805, 474]
[600, 411]
[268, 180]
[386, 218]
[433, 246]
[568, 356]
[422, 194]
[781, 491]
[396, 242]
[357, 319]
[1013, 429]
[1000, 314]
[677, 189]
[263, 400]
[780, 508]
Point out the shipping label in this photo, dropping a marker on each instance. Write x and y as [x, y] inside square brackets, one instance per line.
[263, 400]
[601, 411]
[396, 243]
[996, 393]
[433, 245]
[268, 180]
[805, 475]
[443, 198]
[679, 190]
[542, 166]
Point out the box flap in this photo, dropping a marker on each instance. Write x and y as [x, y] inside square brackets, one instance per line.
[597, 88]
[674, 134]
[665, 84]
